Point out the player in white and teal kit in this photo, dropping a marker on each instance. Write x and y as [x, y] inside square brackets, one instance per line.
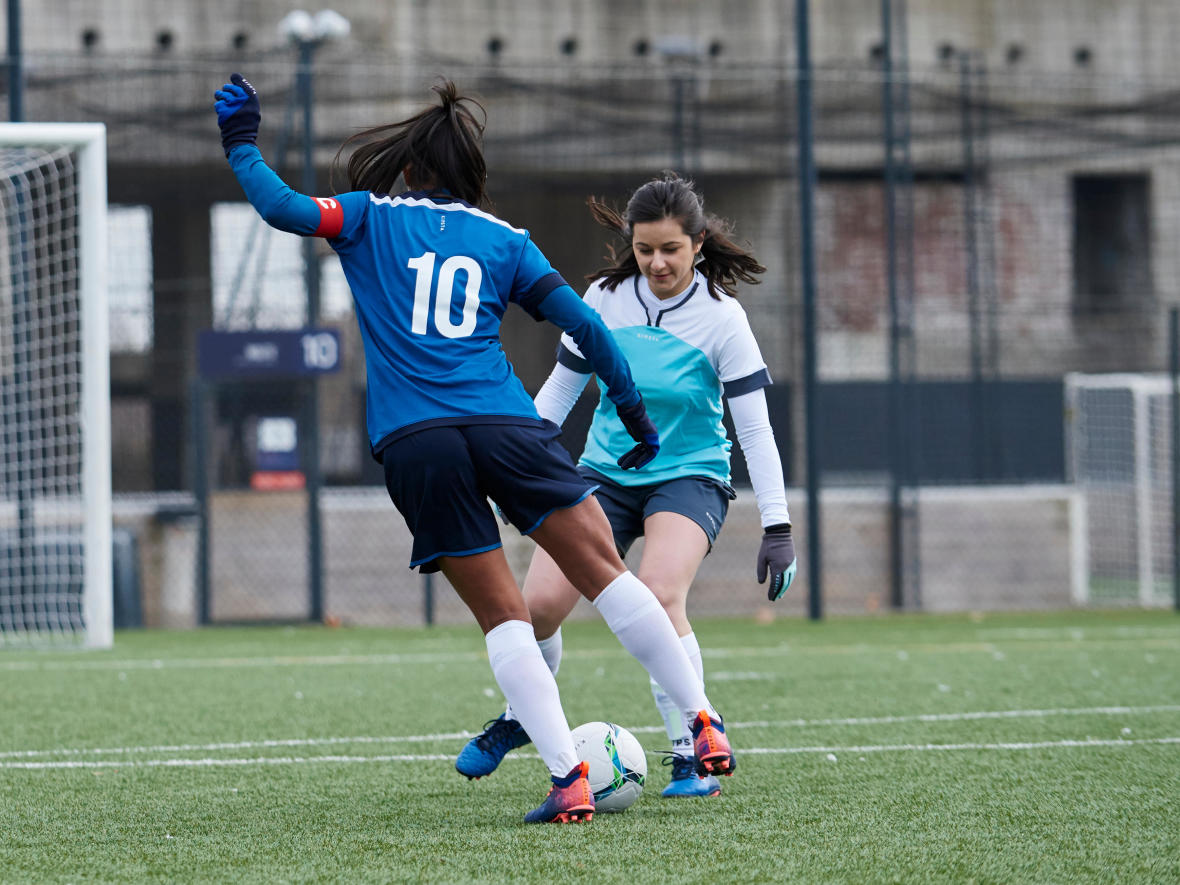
[668, 301]
[431, 276]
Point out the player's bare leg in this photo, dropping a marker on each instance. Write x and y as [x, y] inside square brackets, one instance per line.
[549, 595]
[486, 584]
[555, 598]
[673, 550]
[580, 542]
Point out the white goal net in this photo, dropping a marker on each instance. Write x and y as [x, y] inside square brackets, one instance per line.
[1119, 438]
[55, 486]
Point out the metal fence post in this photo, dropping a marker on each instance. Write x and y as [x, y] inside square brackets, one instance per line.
[806, 163]
[200, 495]
[1174, 366]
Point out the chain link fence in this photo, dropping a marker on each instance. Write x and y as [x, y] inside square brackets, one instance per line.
[982, 231]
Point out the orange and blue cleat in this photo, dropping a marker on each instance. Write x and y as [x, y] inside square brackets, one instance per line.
[714, 755]
[570, 799]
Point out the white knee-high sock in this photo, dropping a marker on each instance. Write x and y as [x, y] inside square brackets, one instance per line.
[531, 691]
[676, 724]
[636, 617]
[551, 652]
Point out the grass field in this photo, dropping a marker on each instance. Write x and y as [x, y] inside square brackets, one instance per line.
[1006, 748]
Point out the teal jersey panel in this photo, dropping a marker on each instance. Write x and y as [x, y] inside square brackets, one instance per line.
[683, 397]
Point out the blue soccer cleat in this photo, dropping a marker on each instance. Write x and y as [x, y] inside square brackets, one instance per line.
[485, 751]
[570, 799]
[686, 783]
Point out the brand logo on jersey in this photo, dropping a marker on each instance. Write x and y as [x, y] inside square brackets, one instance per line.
[442, 224]
[646, 337]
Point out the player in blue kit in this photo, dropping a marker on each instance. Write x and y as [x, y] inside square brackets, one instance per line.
[668, 298]
[431, 276]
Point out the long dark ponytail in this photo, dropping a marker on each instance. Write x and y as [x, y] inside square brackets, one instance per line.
[722, 262]
[442, 143]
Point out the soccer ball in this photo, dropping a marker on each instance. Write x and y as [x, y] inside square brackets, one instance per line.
[618, 766]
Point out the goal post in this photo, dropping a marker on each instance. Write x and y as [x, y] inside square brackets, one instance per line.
[55, 453]
[1119, 442]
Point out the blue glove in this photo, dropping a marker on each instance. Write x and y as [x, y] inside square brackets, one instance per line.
[238, 112]
[641, 429]
[777, 556]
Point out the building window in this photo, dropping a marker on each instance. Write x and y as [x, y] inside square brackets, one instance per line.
[1112, 243]
[258, 274]
[129, 278]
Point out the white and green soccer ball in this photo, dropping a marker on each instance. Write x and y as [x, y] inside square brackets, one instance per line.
[618, 765]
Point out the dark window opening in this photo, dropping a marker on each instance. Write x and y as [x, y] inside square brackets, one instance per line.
[1112, 243]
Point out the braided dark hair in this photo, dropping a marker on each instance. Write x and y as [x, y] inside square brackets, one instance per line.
[443, 144]
[722, 262]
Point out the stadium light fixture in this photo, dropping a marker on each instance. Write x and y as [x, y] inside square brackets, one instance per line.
[297, 26]
[301, 27]
[677, 48]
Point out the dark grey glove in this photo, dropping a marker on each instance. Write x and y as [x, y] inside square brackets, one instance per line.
[777, 556]
[640, 429]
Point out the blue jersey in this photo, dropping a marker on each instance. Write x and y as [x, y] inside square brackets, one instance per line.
[431, 277]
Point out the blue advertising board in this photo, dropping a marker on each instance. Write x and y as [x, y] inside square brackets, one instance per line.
[267, 353]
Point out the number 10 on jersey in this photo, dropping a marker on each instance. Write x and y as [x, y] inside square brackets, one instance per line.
[425, 287]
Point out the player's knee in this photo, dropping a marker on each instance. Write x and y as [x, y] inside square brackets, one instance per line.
[667, 593]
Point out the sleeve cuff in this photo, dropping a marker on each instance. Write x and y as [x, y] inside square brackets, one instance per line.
[749, 384]
[538, 292]
[569, 359]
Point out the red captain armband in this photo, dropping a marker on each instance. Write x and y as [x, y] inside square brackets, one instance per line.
[331, 217]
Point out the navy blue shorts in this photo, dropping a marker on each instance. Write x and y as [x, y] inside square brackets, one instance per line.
[440, 479]
[703, 500]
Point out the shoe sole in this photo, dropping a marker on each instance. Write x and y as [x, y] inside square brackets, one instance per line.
[717, 763]
[708, 795]
[573, 816]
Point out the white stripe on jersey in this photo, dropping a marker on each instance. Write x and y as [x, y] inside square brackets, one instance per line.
[445, 207]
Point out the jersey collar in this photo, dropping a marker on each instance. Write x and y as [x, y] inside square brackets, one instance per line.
[655, 308]
[433, 196]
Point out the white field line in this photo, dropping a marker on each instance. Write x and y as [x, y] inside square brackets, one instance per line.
[1077, 634]
[441, 757]
[1166, 640]
[642, 729]
[1003, 745]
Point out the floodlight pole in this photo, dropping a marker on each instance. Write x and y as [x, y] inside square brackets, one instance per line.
[16, 79]
[311, 275]
[305, 87]
[1174, 371]
[308, 33]
[807, 176]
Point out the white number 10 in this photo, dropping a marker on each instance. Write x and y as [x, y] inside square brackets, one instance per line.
[424, 266]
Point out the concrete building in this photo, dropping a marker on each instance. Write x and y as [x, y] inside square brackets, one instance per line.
[1030, 230]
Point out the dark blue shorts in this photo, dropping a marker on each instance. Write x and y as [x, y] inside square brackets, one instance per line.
[440, 479]
[705, 501]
